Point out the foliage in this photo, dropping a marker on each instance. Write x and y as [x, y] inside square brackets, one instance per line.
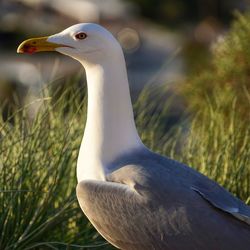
[227, 76]
[39, 209]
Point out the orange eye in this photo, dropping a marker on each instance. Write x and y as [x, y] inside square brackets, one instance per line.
[80, 36]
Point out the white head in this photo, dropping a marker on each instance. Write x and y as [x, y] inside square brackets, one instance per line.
[110, 128]
[86, 42]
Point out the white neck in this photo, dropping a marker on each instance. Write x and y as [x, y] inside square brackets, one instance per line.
[110, 128]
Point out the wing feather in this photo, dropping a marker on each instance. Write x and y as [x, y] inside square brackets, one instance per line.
[108, 206]
[222, 199]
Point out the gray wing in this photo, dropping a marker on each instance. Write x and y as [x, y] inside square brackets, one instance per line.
[222, 199]
[126, 213]
[209, 190]
[110, 206]
[150, 209]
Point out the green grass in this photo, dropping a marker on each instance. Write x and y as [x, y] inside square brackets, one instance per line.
[38, 157]
[38, 164]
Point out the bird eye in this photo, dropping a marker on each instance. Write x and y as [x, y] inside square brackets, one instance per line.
[80, 36]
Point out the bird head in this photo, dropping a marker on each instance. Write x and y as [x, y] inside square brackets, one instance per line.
[85, 42]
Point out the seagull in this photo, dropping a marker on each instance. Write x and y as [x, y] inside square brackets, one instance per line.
[135, 198]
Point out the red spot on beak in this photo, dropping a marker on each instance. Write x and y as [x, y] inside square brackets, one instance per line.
[29, 49]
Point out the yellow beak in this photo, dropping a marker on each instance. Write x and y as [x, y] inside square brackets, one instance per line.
[40, 44]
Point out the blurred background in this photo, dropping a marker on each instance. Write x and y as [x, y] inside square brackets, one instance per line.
[164, 40]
